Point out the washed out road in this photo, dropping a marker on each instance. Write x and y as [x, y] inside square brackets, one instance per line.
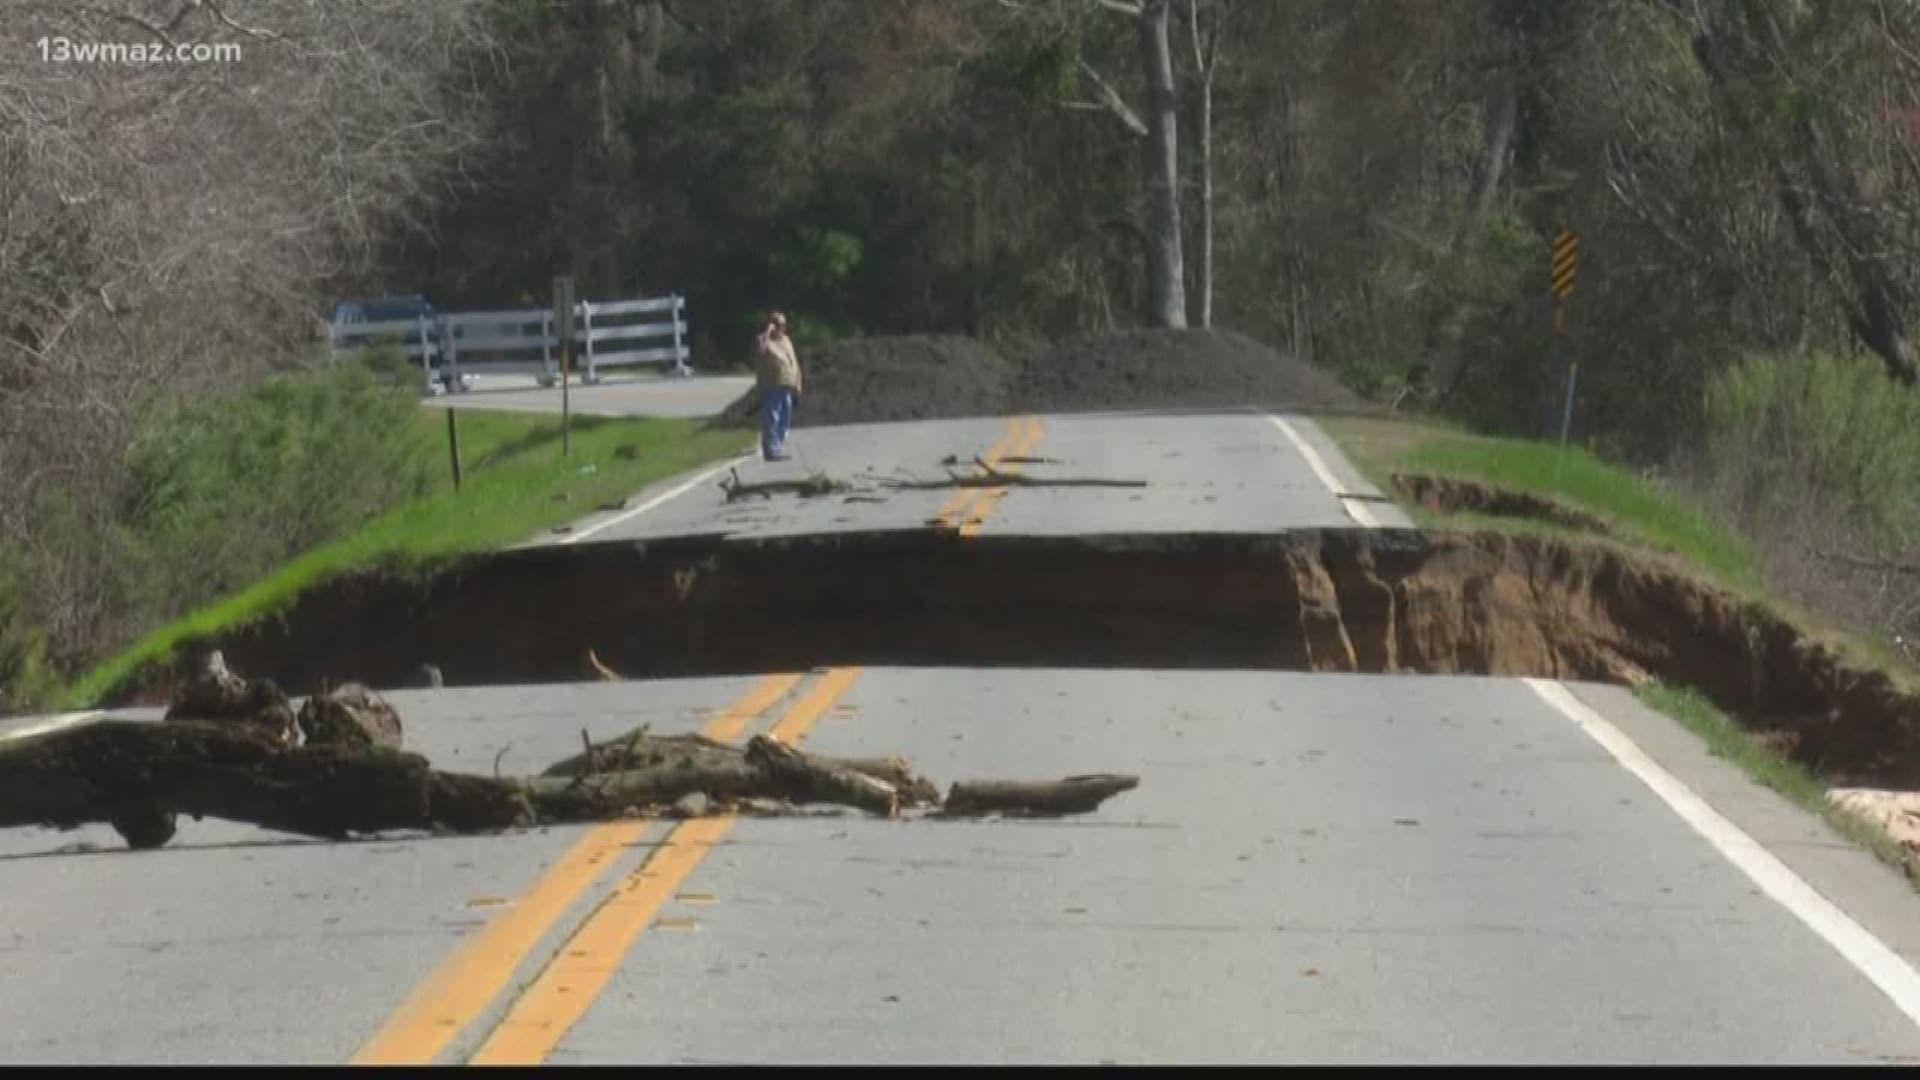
[1315, 868]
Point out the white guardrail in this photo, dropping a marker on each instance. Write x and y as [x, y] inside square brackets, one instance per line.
[608, 335]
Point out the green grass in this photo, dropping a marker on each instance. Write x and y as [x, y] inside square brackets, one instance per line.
[1641, 511]
[1727, 740]
[515, 485]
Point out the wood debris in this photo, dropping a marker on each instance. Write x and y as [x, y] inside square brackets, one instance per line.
[347, 776]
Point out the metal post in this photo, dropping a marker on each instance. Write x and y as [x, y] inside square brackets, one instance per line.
[453, 446]
[1563, 267]
[546, 348]
[1573, 373]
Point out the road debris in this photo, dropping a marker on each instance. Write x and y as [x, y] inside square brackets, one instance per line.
[350, 716]
[810, 487]
[991, 477]
[214, 693]
[601, 670]
[349, 776]
[1010, 459]
[1072, 795]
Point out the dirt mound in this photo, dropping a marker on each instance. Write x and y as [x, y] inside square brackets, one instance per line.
[916, 377]
[925, 377]
[1147, 369]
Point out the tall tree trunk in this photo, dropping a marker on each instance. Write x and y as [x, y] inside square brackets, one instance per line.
[1167, 299]
[1204, 57]
[1206, 201]
[1438, 366]
[1502, 107]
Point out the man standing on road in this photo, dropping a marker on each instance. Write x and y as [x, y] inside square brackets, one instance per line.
[780, 385]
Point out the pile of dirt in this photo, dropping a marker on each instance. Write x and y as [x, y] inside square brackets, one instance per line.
[917, 377]
[925, 377]
[1154, 369]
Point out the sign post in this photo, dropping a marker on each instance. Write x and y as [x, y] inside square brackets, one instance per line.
[1566, 259]
[453, 445]
[563, 329]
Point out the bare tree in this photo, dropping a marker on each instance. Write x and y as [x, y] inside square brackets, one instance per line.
[1206, 61]
[1166, 279]
[1160, 152]
[169, 226]
[1754, 54]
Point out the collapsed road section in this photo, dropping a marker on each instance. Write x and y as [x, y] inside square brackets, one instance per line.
[1326, 601]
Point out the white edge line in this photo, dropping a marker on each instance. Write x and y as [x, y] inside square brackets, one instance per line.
[1880, 964]
[52, 723]
[1354, 510]
[682, 489]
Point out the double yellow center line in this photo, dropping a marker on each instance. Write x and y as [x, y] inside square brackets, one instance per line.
[454, 996]
[967, 511]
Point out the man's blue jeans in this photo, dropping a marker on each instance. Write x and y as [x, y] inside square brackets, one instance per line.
[776, 413]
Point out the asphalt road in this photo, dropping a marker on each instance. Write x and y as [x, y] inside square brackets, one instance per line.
[1226, 471]
[1315, 868]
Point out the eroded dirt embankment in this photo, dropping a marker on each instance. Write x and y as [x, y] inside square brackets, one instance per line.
[1371, 601]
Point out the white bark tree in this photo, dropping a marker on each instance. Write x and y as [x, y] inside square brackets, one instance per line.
[1160, 153]
[1206, 61]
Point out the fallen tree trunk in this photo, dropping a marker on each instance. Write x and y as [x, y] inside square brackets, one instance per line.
[817, 781]
[138, 776]
[640, 749]
[1073, 795]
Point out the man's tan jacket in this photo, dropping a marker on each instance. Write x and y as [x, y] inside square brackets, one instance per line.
[779, 364]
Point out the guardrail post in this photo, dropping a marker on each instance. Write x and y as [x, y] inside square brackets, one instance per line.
[546, 347]
[453, 360]
[679, 348]
[426, 352]
[586, 323]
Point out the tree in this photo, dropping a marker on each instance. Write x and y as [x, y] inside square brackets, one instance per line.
[1206, 61]
[1166, 280]
[1777, 76]
[1160, 152]
[167, 228]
